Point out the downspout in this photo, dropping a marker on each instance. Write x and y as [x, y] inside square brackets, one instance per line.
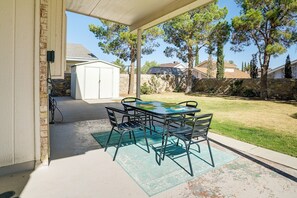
[139, 34]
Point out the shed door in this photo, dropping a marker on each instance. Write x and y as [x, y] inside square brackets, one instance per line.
[91, 83]
[106, 85]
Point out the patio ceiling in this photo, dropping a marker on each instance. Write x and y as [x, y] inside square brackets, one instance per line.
[138, 14]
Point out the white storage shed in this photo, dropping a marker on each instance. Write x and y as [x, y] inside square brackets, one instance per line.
[95, 80]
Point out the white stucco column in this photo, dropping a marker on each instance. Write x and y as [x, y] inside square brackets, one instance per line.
[138, 73]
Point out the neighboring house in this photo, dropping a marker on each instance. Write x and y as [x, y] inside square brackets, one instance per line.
[231, 71]
[174, 65]
[279, 72]
[77, 53]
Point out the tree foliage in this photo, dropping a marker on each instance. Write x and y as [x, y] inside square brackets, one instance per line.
[120, 63]
[270, 25]
[217, 39]
[253, 67]
[147, 65]
[189, 32]
[117, 39]
[288, 68]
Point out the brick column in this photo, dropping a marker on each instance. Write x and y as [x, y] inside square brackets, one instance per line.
[44, 128]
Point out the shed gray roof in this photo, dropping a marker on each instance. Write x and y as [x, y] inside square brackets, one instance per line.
[79, 52]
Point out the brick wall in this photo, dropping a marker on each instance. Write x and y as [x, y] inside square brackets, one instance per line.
[62, 87]
[44, 128]
[284, 89]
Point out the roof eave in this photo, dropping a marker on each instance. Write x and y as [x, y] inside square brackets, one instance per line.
[171, 11]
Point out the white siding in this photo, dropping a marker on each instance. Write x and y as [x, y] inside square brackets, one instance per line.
[57, 36]
[17, 81]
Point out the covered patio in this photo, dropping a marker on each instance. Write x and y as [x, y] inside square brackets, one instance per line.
[80, 167]
[73, 162]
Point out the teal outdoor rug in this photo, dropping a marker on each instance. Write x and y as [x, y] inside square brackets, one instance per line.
[143, 167]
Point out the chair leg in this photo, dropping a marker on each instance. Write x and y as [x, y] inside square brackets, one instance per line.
[106, 144]
[133, 134]
[119, 145]
[144, 134]
[198, 148]
[166, 140]
[210, 152]
[177, 142]
[189, 159]
[130, 136]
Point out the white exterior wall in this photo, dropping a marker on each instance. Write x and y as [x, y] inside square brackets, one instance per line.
[294, 72]
[229, 70]
[18, 55]
[278, 74]
[57, 36]
[78, 78]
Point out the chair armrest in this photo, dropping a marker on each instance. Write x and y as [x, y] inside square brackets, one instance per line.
[202, 116]
[124, 113]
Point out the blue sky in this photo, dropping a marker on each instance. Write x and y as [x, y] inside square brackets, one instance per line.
[78, 32]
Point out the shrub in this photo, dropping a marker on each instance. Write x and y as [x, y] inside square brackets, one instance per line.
[250, 93]
[145, 89]
[236, 87]
[155, 85]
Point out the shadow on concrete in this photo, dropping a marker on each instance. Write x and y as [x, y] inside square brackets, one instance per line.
[70, 110]
[12, 185]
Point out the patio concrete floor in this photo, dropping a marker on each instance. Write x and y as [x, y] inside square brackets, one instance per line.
[79, 167]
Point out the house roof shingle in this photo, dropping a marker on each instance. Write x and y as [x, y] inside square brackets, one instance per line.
[236, 74]
[169, 64]
[226, 64]
[78, 52]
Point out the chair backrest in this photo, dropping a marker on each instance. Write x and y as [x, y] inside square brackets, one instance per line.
[112, 117]
[127, 100]
[201, 125]
[189, 103]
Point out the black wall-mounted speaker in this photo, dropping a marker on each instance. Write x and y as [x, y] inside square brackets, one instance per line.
[51, 56]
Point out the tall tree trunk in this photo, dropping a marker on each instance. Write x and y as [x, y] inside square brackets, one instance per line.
[131, 77]
[197, 56]
[264, 70]
[189, 82]
[220, 62]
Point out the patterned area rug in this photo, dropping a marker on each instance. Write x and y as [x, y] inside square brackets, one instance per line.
[144, 169]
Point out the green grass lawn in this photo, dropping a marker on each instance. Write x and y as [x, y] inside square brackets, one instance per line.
[269, 124]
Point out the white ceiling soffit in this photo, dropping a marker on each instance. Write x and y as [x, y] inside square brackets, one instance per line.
[138, 14]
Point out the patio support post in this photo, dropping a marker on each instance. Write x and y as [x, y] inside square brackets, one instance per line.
[139, 34]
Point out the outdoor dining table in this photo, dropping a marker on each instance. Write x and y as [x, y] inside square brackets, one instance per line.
[160, 110]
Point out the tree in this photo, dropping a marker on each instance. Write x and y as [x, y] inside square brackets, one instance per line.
[246, 67]
[218, 38]
[270, 25]
[118, 40]
[288, 68]
[189, 32]
[210, 68]
[121, 64]
[253, 67]
[147, 65]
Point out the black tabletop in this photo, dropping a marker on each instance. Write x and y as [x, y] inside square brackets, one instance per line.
[161, 108]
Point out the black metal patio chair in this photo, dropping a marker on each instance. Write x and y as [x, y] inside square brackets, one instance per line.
[133, 111]
[182, 122]
[124, 127]
[189, 103]
[193, 134]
